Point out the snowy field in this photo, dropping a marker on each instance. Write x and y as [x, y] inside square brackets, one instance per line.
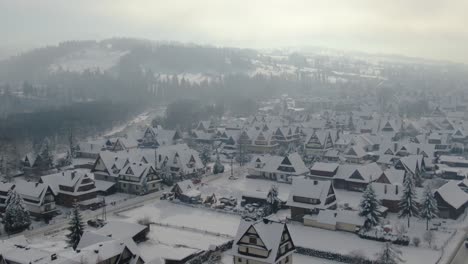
[336, 241]
[184, 230]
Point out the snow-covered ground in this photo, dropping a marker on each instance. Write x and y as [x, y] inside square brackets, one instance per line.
[297, 259]
[97, 58]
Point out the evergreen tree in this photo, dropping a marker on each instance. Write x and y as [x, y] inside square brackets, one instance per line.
[205, 154]
[76, 227]
[408, 204]
[166, 174]
[369, 207]
[389, 255]
[272, 199]
[429, 208]
[45, 156]
[16, 216]
[218, 166]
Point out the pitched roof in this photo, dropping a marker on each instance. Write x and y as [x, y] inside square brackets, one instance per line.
[269, 232]
[453, 195]
[309, 188]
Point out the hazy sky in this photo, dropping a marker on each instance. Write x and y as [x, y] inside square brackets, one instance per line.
[425, 28]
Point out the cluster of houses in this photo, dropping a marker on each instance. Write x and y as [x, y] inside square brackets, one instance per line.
[111, 165]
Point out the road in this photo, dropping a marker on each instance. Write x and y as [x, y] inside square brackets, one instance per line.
[462, 255]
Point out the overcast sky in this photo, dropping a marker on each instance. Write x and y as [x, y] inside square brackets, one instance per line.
[436, 29]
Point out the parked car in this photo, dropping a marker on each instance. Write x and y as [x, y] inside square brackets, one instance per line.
[97, 223]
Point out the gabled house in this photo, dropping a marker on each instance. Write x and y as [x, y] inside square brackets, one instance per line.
[278, 168]
[388, 194]
[391, 176]
[180, 160]
[309, 196]
[139, 178]
[38, 198]
[186, 192]
[451, 200]
[318, 142]
[324, 170]
[257, 141]
[356, 177]
[264, 241]
[414, 165]
[355, 154]
[72, 186]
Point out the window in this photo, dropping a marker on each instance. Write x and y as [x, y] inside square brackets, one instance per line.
[252, 240]
[239, 260]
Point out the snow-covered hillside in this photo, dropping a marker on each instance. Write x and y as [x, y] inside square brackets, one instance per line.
[96, 58]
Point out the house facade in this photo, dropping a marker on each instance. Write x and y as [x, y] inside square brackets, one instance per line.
[263, 242]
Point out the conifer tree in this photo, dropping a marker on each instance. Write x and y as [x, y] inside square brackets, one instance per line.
[16, 216]
[429, 209]
[76, 227]
[272, 198]
[389, 255]
[408, 204]
[218, 166]
[369, 207]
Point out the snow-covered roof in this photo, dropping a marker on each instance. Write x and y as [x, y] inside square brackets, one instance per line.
[313, 189]
[452, 194]
[323, 166]
[121, 230]
[366, 173]
[268, 231]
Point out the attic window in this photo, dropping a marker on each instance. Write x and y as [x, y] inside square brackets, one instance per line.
[252, 240]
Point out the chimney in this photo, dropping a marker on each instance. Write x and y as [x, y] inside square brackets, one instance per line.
[417, 151]
[37, 184]
[96, 251]
[53, 257]
[116, 158]
[396, 189]
[73, 174]
[385, 188]
[395, 145]
[315, 182]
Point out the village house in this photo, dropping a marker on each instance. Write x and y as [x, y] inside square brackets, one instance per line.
[389, 195]
[355, 154]
[155, 137]
[451, 200]
[139, 178]
[180, 160]
[414, 165]
[278, 168]
[264, 241]
[186, 192]
[319, 142]
[38, 198]
[355, 177]
[257, 141]
[129, 171]
[322, 170]
[72, 186]
[309, 196]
